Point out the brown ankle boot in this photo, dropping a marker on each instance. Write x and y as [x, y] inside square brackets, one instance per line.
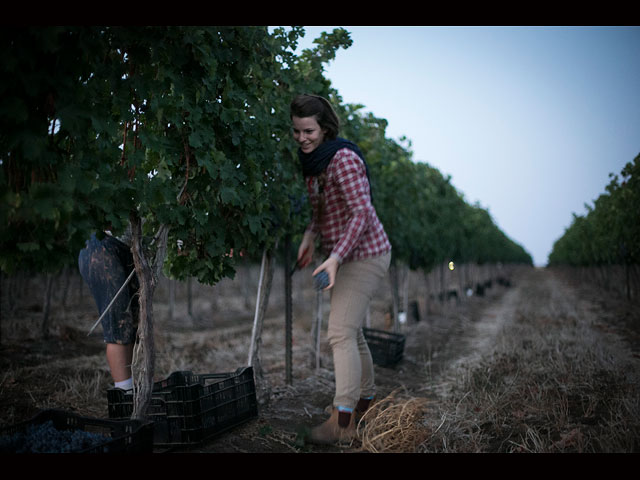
[362, 406]
[339, 428]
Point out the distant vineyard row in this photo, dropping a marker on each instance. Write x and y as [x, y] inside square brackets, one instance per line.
[609, 233]
[607, 238]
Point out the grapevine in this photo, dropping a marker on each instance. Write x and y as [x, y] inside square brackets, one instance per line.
[608, 235]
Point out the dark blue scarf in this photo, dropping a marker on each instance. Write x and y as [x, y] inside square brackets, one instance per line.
[314, 163]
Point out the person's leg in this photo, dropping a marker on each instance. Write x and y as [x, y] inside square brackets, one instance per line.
[355, 285]
[348, 308]
[105, 267]
[119, 359]
[367, 381]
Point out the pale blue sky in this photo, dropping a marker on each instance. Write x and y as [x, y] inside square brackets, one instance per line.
[528, 121]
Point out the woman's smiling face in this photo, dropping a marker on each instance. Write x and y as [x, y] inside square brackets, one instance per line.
[307, 132]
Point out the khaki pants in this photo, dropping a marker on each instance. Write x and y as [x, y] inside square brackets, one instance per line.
[355, 285]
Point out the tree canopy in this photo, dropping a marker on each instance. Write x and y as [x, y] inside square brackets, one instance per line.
[609, 233]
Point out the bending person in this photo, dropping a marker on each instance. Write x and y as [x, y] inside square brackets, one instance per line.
[357, 251]
[105, 265]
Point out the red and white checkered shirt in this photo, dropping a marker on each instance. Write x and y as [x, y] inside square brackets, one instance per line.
[347, 221]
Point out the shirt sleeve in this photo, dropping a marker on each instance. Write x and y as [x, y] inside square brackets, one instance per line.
[353, 185]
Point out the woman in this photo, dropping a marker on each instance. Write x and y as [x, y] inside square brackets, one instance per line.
[357, 248]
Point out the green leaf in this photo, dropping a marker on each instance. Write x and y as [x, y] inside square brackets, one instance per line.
[28, 246]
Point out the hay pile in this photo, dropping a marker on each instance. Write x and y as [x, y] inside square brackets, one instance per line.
[394, 424]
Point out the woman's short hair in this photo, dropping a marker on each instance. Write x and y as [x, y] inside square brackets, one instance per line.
[307, 105]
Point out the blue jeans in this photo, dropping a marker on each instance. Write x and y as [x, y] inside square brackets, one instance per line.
[105, 265]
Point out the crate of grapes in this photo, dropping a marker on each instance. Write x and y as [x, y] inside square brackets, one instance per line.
[188, 408]
[386, 348]
[59, 431]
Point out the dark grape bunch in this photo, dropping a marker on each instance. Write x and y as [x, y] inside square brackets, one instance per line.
[45, 438]
[321, 280]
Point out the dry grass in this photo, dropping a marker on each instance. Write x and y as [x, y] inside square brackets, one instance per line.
[393, 424]
[507, 405]
[553, 382]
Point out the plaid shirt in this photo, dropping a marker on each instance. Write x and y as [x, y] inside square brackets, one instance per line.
[342, 211]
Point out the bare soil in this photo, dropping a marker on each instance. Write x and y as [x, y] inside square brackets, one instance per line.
[68, 370]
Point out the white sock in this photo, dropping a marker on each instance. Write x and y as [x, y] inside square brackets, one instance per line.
[125, 384]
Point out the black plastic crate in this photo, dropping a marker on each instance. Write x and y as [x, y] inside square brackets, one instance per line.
[51, 430]
[189, 408]
[386, 348]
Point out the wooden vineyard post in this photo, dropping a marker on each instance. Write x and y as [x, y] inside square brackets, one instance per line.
[264, 288]
[317, 328]
[47, 306]
[395, 296]
[172, 298]
[190, 298]
[288, 310]
[405, 297]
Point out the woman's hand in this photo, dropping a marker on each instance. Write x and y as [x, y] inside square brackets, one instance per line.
[305, 251]
[330, 265]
